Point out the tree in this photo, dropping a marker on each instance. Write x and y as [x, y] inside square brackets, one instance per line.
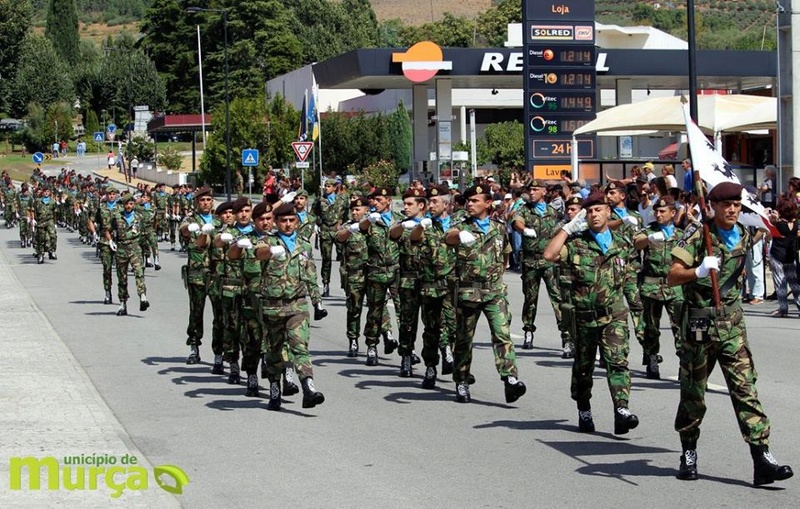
[141, 146]
[41, 76]
[450, 31]
[493, 23]
[62, 29]
[504, 145]
[401, 137]
[46, 125]
[16, 16]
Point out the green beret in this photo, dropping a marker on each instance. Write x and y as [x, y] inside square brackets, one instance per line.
[126, 198]
[112, 189]
[726, 191]
[330, 182]
[536, 183]
[301, 192]
[359, 201]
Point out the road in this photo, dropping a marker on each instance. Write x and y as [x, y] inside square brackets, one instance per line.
[382, 441]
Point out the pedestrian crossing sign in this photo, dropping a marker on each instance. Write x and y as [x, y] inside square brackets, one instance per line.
[250, 157]
[98, 136]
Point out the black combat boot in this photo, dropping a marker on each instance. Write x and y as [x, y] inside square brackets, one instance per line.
[624, 421]
[405, 366]
[389, 343]
[143, 302]
[447, 360]
[527, 342]
[290, 387]
[353, 350]
[107, 299]
[688, 468]
[157, 263]
[217, 368]
[653, 373]
[123, 308]
[234, 377]
[274, 396]
[462, 393]
[326, 290]
[585, 421]
[372, 356]
[52, 256]
[41, 259]
[429, 382]
[194, 355]
[415, 359]
[252, 386]
[514, 388]
[311, 397]
[766, 469]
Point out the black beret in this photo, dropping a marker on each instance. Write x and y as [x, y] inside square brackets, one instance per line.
[574, 200]
[381, 191]
[414, 193]
[594, 199]
[203, 191]
[241, 203]
[614, 184]
[224, 207]
[437, 191]
[359, 201]
[664, 201]
[261, 209]
[726, 191]
[286, 209]
[479, 189]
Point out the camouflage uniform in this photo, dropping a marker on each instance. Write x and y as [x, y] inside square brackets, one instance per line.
[103, 223]
[10, 205]
[24, 203]
[656, 293]
[535, 268]
[306, 226]
[330, 217]
[46, 238]
[129, 252]
[410, 272]
[383, 258]
[160, 200]
[230, 284]
[173, 206]
[600, 315]
[631, 287]
[285, 284]
[724, 343]
[437, 289]
[481, 289]
[255, 341]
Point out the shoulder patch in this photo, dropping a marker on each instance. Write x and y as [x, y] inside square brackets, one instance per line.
[688, 233]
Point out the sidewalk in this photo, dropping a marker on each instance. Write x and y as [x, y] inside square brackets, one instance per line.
[50, 408]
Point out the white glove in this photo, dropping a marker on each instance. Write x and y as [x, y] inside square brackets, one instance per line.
[409, 224]
[226, 238]
[77, 212]
[353, 228]
[426, 223]
[656, 238]
[207, 228]
[529, 232]
[466, 238]
[708, 263]
[373, 217]
[112, 245]
[288, 197]
[278, 252]
[244, 243]
[631, 221]
[577, 225]
[194, 228]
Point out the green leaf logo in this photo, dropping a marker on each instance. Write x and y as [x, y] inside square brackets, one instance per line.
[175, 473]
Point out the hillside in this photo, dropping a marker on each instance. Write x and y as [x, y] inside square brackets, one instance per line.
[417, 12]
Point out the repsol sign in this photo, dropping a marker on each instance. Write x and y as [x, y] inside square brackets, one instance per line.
[497, 62]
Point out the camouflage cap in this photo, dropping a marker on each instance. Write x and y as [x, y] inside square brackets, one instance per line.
[479, 189]
[381, 191]
[414, 193]
[203, 191]
[125, 198]
[438, 191]
[535, 183]
[286, 209]
[223, 207]
[726, 191]
[330, 182]
[301, 192]
[111, 189]
[573, 200]
[595, 198]
[615, 185]
[664, 202]
[261, 209]
[241, 203]
[359, 201]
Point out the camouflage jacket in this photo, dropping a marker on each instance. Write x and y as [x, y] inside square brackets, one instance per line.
[229, 274]
[198, 260]
[629, 232]
[691, 250]
[103, 219]
[410, 261]
[354, 264]
[545, 226]
[148, 215]
[480, 267]
[127, 234]
[289, 279]
[330, 215]
[160, 201]
[383, 254]
[24, 203]
[305, 229]
[251, 266]
[44, 212]
[597, 278]
[655, 266]
[438, 261]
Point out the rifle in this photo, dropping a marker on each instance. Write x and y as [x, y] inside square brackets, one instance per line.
[701, 199]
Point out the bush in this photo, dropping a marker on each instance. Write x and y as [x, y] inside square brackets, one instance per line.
[381, 174]
[170, 159]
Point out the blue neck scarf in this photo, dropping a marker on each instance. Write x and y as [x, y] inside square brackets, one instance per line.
[190, 196]
[111, 204]
[161, 193]
[386, 217]
[302, 216]
[445, 222]
[621, 211]
[146, 206]
[128, 217]
[603, 239]
[45, 200]
[483, 224]
[540, 207]
[331, 198]
[246, 229]
[730, 237]
[668, 230]
[289, 240]
[207, 218]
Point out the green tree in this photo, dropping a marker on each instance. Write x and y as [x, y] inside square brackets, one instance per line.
[338, 144]
[401, 138]
[46, 125]
[15, 21]
[141, 146]
[493, 23]
[62, 29]
[450, 31]
[36, 78]
[504, 145]
[170, 158]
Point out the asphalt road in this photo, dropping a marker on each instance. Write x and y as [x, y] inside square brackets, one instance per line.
[382, 441]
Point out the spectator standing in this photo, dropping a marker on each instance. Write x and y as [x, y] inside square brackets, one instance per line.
[783, 254]
[134, 166]
[688, 176]
[55, 149]
[767, 188]
[668, 172]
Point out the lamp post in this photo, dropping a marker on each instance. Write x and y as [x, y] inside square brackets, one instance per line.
[228, 186]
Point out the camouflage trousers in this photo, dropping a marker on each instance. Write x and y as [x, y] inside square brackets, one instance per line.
[9, 214]
[173, 228]
[107, 260]
[377, 310]
[653, 309]
[197, 304]
[46, 238]
[251, 338]
[24, 230]
[232, 327]
[129, 254]
[467, 314]
[288, 327]
[161, 223]
[83, 229]
[531, 279]
[728, 346]
[408, 318]
[613, 341]
[149, 244]
[355, 305]
[439, 326]
[631, 292]
[326, 241]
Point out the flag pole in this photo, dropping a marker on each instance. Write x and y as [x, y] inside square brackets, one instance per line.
[318, 123]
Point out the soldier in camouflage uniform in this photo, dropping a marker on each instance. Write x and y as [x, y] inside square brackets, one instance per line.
[656, 243]
[718, 335]
[42, 216]
[197, 231]
[10, 212]
[331, 210]
[597, 260]
[160, 201]
[437, 286]
[628, 223]
[147, 239]
[537, 221]
[288, 278]
[382, 265]
[24, 203]
[106, 245]
[481, 249]
[127, 227]
[173, 214]
[308, 222]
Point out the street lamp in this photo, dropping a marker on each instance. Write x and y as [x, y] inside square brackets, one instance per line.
[224, 12]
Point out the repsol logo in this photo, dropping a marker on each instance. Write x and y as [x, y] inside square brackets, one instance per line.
[497, 62]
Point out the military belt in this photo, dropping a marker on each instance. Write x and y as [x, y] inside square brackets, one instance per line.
[727, 311]
[280, 302]
[655, 280]
[590, 315]
[478, 285]
[225, 281]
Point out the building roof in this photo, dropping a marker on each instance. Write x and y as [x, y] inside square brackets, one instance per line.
[178, 123]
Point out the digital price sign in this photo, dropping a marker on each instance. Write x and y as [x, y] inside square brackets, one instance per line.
[561, 79]
[559, 149]
[556, 125]
[558, 55]
[562, 101]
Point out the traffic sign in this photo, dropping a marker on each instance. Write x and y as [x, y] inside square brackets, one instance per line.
[302, 164]
[111, 128]
[302, 149]
[250, 157]
[38, 157]
[98, 136]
